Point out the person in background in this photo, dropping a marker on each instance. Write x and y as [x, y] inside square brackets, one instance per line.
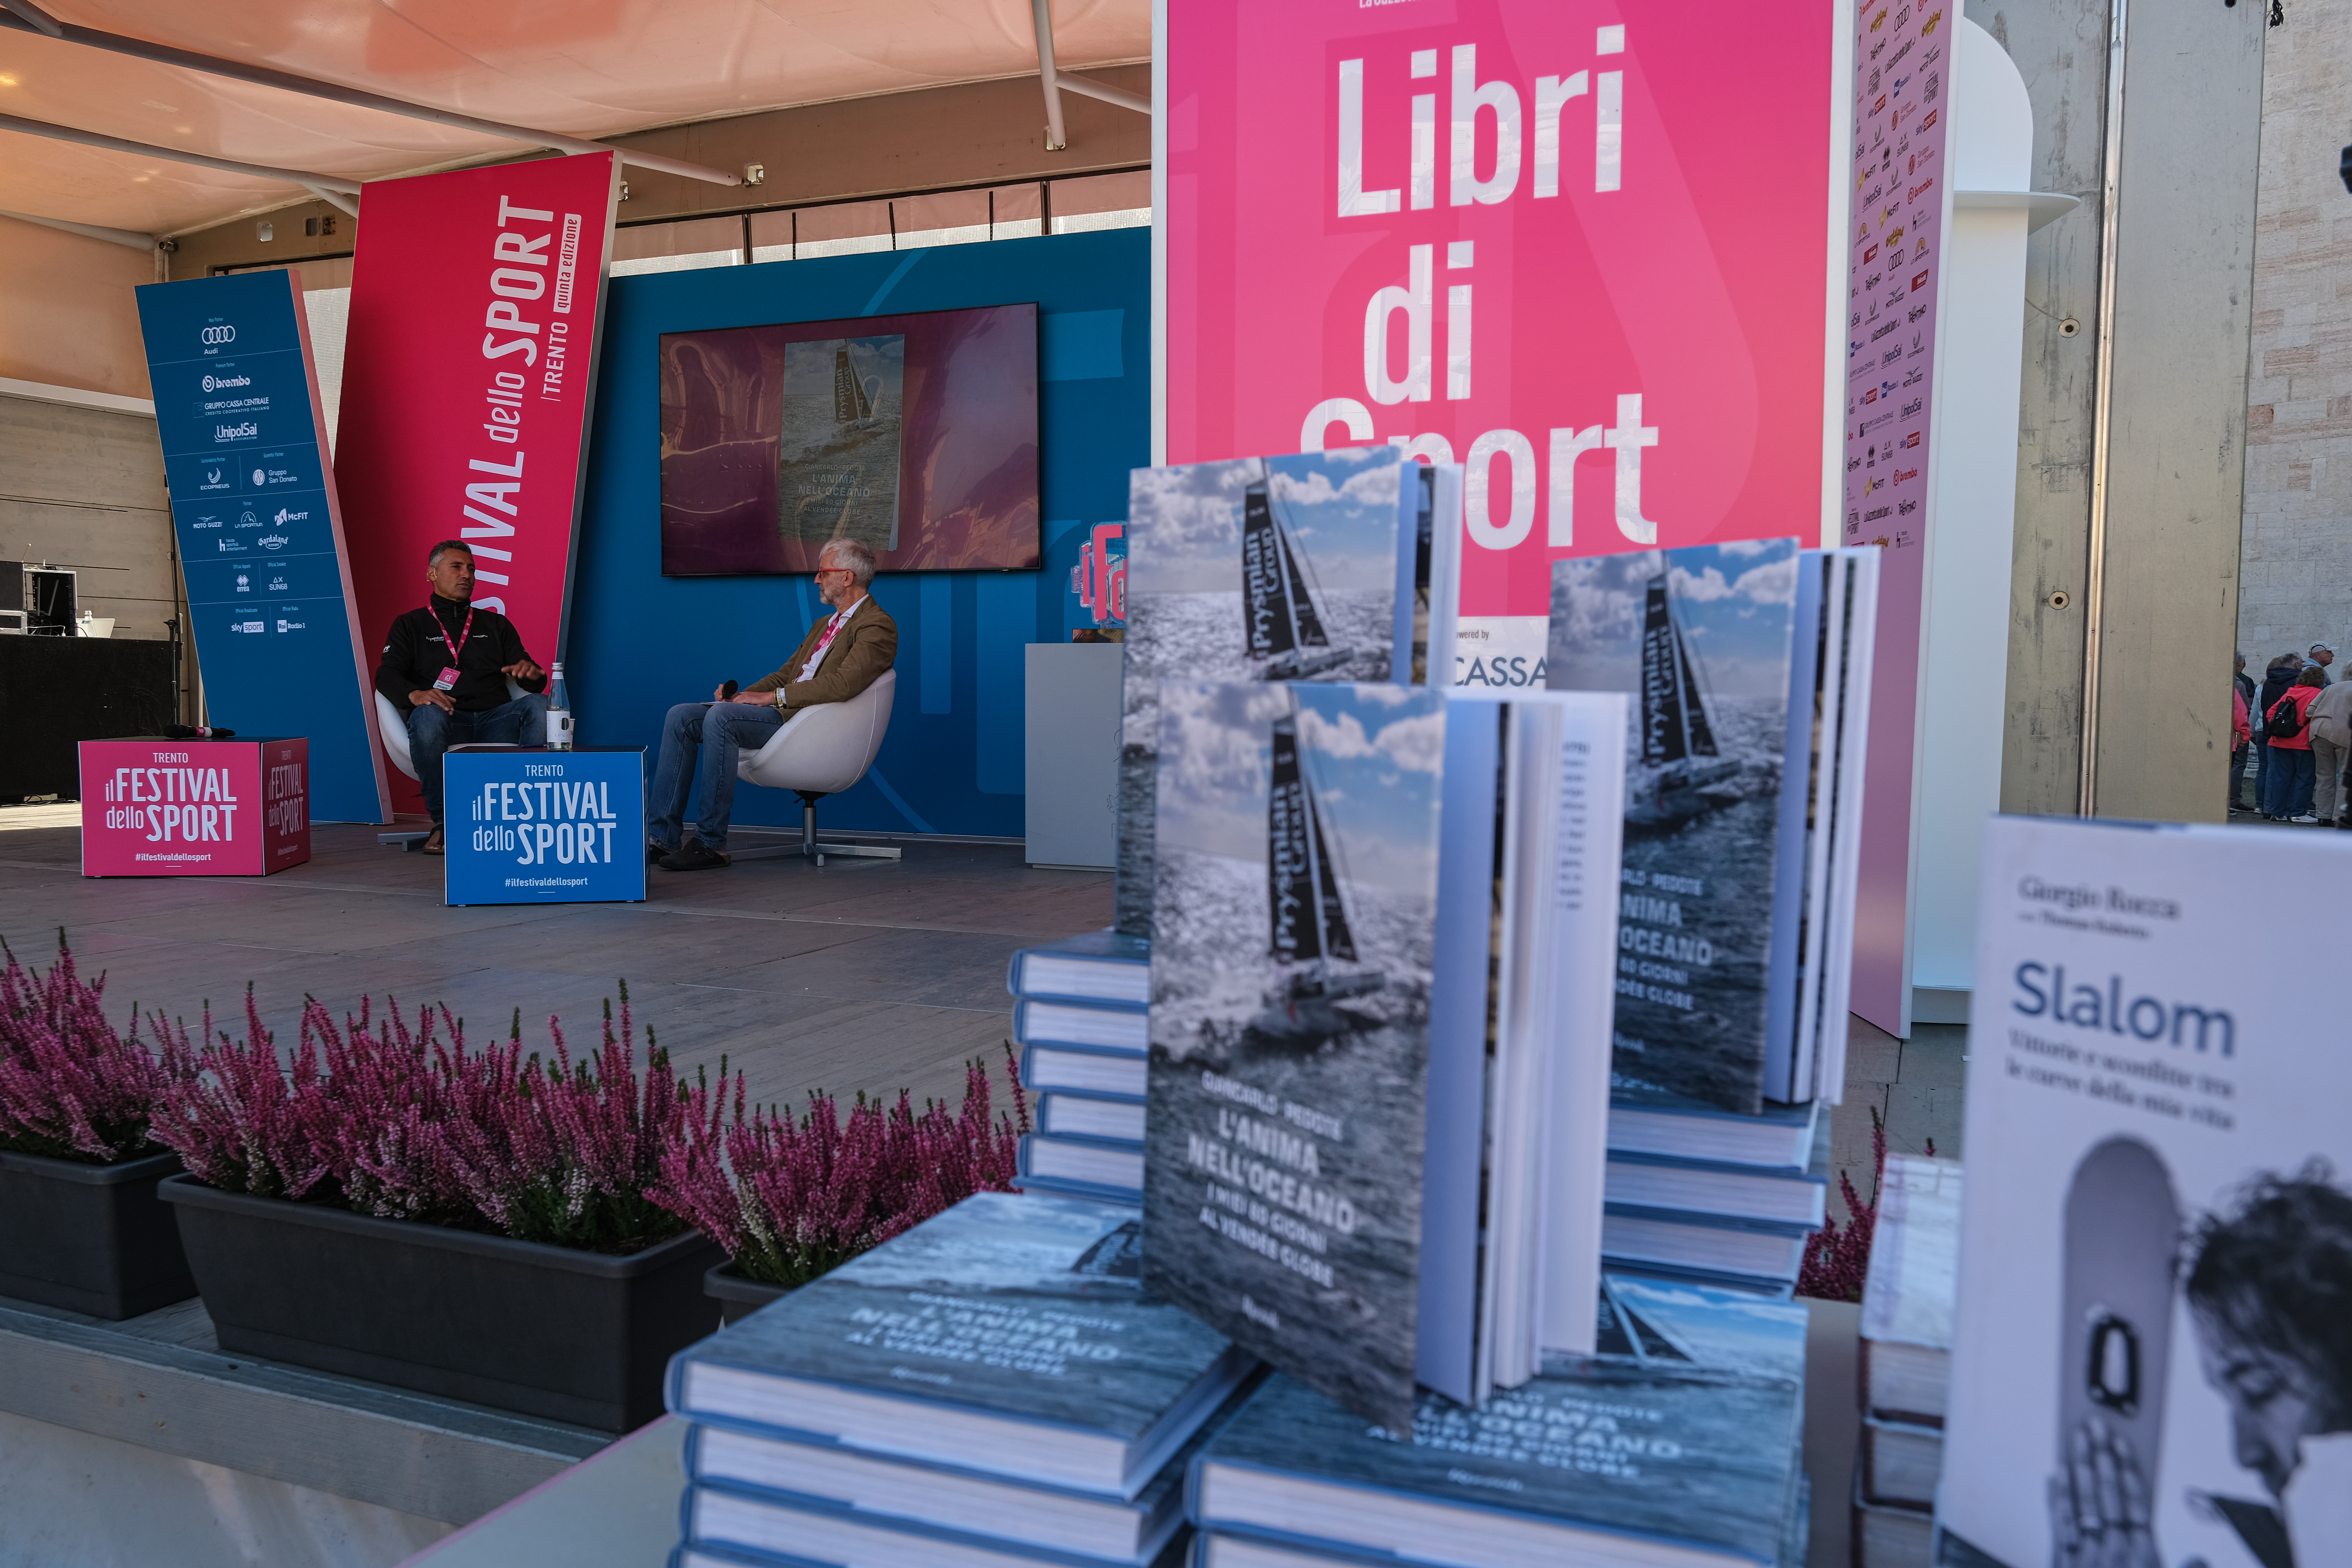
[2277, 676]
[2330, 715]
[2247, 693]
[2322, 655]
[842, 656]
[2289, 726]
[445, 669]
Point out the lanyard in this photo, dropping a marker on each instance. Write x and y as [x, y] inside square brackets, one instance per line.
[840, 618]
[456, 648]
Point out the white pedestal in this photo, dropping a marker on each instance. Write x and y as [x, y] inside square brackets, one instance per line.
[1072, 753]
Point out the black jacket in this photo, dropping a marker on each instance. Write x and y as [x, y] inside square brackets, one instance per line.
[417, 649]
[2274, 686]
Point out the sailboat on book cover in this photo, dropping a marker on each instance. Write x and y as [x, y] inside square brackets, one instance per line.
[1681, 770]
[1308, 931]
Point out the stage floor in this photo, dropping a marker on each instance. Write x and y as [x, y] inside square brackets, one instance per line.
[864, 974]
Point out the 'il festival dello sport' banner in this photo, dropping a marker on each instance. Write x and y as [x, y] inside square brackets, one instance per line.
[1594, 252]
[469, 372]
[260, 532]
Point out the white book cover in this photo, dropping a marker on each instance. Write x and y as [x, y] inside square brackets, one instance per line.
[2152, 1359]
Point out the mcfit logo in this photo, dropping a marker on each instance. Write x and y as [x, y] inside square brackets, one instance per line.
[219, 334]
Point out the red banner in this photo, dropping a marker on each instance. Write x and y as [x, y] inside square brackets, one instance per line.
[477, 297]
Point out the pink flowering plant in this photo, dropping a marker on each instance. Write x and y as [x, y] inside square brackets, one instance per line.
[1837, 1257]
[403, 1120]
[72, 1086]
[791, 1198]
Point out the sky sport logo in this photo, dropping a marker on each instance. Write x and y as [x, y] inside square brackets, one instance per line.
[219, 335]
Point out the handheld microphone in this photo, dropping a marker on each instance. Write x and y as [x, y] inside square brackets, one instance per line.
[728, 690]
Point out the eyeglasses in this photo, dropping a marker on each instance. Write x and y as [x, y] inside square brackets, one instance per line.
[827, 571]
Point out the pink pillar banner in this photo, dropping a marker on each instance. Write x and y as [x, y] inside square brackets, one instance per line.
[1584, 248]
[1902, 95]
[468, 370]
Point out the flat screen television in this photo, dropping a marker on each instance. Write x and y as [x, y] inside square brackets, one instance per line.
[916, 434]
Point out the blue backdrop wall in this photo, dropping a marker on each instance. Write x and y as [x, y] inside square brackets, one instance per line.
[640, 641]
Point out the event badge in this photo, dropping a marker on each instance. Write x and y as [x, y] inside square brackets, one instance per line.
[446, 679]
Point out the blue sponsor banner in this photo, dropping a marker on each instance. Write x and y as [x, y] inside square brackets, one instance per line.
[260, 532]
[526, 826]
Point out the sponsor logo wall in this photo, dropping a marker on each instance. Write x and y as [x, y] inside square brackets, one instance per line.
[477, 297]
[261, 536]
[1902, 72]
[1584, 249]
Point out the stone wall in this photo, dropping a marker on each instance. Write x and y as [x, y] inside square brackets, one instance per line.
[2297, 550]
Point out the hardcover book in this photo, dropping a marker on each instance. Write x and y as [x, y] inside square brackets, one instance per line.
[1597, 1461]
[1298, 568]
[1701, 640]
[1913, 1285]
[1109, 1071]
[2152, 1357]
[1062, 1111]
[1099, 1025]
[1095, 966]
[1009, 1334]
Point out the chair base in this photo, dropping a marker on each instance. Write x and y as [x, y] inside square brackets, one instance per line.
[811, 849]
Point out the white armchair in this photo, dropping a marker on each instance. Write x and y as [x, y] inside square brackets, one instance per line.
[822, 751]
[394, 728]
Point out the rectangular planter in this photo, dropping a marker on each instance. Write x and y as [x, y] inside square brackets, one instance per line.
[546, 1331]
[90, 1238]
[738, 1295]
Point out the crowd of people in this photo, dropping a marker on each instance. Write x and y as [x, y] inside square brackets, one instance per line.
[2298, 726]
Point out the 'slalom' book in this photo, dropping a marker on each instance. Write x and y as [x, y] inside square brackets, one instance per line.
[1372, 1032]
[1596, 1461]
[1701, 640]
[1296, 568]
[1009, 1334]
[2152, 1359]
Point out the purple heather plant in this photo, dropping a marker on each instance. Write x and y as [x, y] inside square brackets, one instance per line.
[72, 1086]
[792, 1199]
[1837, 1257]
[403, 1121]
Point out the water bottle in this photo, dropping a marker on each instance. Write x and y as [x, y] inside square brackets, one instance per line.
[558, 711]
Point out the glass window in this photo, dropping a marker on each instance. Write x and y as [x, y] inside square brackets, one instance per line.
[678, 246]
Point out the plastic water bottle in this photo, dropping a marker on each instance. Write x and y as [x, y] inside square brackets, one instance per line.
[558, 711]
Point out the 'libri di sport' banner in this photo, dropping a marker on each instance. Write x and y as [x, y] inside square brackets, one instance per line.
[1554, 240]
[477, 297]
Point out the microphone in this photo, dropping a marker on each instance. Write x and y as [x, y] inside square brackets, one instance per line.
[728, 690]
[195, 732]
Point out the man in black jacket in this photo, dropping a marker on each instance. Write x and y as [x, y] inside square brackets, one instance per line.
[452, 701]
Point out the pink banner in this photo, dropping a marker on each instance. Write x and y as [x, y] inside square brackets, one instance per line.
[194, 808]
[477, 297]
[1583, 247]
[1902, 94]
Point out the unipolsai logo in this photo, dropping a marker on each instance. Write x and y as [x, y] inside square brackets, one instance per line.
[219, 334]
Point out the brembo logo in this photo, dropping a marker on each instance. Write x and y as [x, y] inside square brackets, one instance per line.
[219, 334]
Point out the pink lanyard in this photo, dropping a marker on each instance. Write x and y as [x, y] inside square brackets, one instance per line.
[457, 649]
[839, 620]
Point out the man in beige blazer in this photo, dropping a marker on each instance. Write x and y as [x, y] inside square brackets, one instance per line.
[843, 654]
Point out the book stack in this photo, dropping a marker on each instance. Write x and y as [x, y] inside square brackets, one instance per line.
[1748, 673]
[1080, 1015]
[1680, 1443]
[1906, 1361]
[990, 1388]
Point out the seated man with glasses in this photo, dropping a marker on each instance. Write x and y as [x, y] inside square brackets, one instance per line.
[842, 656]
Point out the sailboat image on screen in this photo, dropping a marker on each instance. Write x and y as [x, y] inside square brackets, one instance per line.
[1308, 931]
[1280, 621]
[1679, 758]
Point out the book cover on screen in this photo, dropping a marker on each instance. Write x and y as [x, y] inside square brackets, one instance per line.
[1291, 969]
[1298, 568]
[1594, 1450]
[2152, 1355]
[1701, 640]
[1026, 1306]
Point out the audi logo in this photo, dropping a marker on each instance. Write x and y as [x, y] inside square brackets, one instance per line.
[219, 334]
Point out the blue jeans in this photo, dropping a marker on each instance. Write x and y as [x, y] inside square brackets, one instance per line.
[2292, 777]
[720, 731]
[431, 732]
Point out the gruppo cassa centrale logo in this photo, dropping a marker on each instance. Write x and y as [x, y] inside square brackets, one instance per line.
[221, 334]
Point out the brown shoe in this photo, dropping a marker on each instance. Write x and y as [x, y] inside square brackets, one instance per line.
[432, 844]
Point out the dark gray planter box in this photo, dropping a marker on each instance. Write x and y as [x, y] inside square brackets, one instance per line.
[739, 1296]
[89, 1238]
[569, 1336]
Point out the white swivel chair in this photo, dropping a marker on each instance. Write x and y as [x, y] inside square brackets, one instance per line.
[394, 730]
[822, 751]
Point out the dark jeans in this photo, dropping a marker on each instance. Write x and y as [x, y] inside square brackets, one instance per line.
[720, 731]
[2289, 784]
[2238, 779]
[522, 721]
